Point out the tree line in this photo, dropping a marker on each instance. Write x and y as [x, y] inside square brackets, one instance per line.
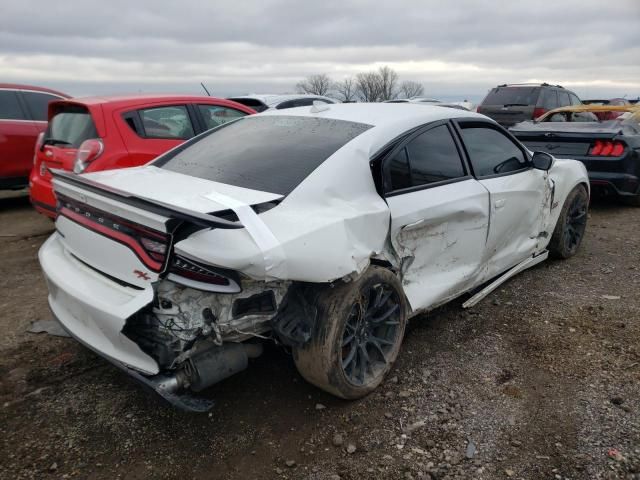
[373, 86]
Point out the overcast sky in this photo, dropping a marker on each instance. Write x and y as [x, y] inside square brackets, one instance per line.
[455, 48]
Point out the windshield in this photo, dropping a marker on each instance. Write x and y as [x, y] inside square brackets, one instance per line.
[512, 96]
[271, 153]
[70, 126]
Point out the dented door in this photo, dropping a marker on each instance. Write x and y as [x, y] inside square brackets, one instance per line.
[439, 234]
[518, 206]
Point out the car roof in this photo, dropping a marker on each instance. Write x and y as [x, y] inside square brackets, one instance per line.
[271, 99]
[384, 115]
[118, 101]
[33, 88]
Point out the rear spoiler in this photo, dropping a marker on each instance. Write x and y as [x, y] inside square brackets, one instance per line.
[154, 206]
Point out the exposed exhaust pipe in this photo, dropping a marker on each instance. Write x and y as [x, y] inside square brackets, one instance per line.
[211, 366]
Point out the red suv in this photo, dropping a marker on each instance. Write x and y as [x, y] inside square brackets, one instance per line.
[23, 115]
[103, 133]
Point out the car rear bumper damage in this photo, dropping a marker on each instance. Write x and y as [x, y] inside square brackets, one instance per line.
[104, 316]
[92, 307]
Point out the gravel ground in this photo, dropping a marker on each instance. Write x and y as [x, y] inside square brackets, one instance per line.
[541, 380]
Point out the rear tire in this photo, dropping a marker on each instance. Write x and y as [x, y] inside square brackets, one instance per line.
[358, 335]
[571, 225]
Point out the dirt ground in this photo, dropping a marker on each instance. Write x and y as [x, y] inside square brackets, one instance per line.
[541, 380]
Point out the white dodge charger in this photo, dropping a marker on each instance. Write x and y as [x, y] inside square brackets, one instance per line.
[321, 228]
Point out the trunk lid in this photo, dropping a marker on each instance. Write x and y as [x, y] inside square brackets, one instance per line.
[122, 223]
[568, 140]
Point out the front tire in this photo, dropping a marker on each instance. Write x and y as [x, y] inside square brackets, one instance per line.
[358, 335]
[572, 222]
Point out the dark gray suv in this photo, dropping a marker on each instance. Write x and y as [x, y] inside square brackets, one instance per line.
[510, 104]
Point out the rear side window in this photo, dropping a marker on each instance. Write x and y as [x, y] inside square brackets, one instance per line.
[564, 99]
[548, 99]
[167, 122]
[38, 104]
[515, 96]
[70, 126]
[397, 168]
[10, 106]
[491, 152]
[430, 157]
[271, 153]
[215, 115]
[433, 157]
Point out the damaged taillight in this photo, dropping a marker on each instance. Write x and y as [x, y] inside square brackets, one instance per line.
[203, 277]
[606, 148]
[156, 249]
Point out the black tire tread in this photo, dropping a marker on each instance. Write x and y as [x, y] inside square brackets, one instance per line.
[318, 361]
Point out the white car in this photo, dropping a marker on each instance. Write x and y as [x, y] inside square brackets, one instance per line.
[264, 102]
[324, 229]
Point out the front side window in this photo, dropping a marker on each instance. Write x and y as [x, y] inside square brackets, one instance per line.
[491, 152]
[575, 100]
[10, 106]
[268, 153]
[215, 115]
[38, 104]
[167, 122]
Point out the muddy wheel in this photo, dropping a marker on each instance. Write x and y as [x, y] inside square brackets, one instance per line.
[358, 335]
[571, 225]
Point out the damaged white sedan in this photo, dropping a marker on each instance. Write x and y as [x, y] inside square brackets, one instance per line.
[323, 229]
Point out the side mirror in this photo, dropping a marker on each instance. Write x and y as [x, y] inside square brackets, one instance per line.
[542, 161]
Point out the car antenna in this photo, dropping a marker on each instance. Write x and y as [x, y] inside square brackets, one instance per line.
[205, 88]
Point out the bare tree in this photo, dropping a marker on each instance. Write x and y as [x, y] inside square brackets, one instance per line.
[409, 89]
[346, 89]
[377, 86]
[318, 84]
[388, 80]
[368, 86]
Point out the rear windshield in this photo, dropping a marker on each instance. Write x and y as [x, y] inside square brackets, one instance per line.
[271, 153]
[70, 126]
[512, 96]
[256, 104]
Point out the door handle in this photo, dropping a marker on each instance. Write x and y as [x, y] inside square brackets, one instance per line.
[500, 203]
[414, 225]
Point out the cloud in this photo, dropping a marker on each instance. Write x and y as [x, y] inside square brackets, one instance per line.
[462, 47]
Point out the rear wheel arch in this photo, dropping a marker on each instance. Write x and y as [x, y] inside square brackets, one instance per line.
[322, 360]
